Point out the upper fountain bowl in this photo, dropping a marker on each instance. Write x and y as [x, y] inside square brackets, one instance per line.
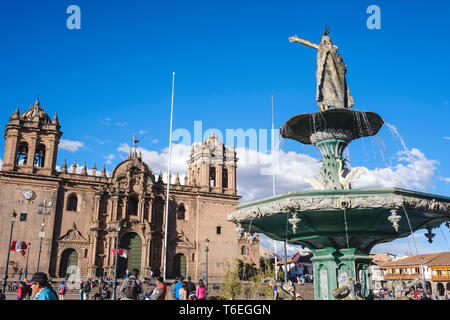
[309, 128]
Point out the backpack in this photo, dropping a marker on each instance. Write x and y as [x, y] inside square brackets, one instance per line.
[132, 289]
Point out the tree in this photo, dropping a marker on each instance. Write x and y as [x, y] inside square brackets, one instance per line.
[231, 286]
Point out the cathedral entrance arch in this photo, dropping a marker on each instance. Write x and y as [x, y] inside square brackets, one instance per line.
[179, 265]
[69, 263]
[133, 243]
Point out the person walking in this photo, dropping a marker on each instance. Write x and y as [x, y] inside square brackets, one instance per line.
[159, 293]
[41, 287]
[62, 290]
[132, 286]
[177, 287]
[190, 287]
[20, 274]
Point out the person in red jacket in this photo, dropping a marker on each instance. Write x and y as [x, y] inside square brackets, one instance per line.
[159, 293]
[22, 291]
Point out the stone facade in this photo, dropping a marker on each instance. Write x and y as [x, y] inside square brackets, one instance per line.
[85, 210]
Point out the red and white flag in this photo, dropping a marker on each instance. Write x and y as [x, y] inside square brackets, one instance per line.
[19, 246]
[134, 139]
[122, 253]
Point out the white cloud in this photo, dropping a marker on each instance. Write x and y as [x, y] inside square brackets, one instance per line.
[69, 145]
[446, 179]
[108, 158]
[1, 163]
[142, 131]
[414, 171]
[447, 138]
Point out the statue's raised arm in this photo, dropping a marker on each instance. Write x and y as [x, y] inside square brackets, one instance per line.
[305, 42]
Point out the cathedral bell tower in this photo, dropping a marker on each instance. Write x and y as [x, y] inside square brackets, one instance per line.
[212, 166]
[31, 141]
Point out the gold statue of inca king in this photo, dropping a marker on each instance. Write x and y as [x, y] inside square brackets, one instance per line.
[332, 90]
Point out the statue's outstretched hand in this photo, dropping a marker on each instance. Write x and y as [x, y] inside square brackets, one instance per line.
[294, 39]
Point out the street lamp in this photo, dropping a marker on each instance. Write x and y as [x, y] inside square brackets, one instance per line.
[43, 212]
[206, 251]
[12, 219]
[25, 273]
[115, 263]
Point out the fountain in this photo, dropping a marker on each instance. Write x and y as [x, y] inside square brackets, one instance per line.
[339, 224]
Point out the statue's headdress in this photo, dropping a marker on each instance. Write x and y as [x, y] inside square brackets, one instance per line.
[327, 31]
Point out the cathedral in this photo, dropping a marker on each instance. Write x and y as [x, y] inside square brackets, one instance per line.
[72, 218]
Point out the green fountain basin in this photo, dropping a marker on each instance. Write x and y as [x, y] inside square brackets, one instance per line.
[322, 222]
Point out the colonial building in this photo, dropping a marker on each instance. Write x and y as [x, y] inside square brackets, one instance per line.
[80, 212]
[436, 268]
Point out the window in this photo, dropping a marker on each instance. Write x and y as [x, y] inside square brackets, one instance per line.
[225, 178]
[132, 206]
[244, 250]
[218, 230]
[72, 203]
[22, 154]
[23, 217]
[39, 158]
[212, 177]
[181, 212]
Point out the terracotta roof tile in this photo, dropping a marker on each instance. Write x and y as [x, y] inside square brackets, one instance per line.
[430, 259]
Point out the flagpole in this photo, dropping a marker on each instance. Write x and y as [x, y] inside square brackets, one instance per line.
[273, 180]
[168, 181]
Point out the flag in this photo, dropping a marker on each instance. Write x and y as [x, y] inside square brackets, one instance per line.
[276, 256]
[19, 246]
[134, 140]
[295, 258]
[122, 253]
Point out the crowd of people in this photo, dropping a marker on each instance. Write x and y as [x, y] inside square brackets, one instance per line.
[186, 290]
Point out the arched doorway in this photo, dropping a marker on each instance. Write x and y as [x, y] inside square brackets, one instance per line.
[179, 265]
[133, 243]
[69, 262]
[440, 289]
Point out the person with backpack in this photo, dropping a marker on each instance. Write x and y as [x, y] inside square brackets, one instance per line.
[62, 290]
[41, 287]
[131, 287]
[190, 287]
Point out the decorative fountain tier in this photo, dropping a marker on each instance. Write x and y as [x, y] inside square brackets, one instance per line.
[342, 226]
[338, 224]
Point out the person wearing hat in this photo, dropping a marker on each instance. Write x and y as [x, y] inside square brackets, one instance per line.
[62, 290]
[41, 287]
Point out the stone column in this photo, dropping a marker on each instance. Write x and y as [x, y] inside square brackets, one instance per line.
[50, 155]
[31, 153]
[114, 204]
[97, 198]
[11, 145]
[219, 172]
[141, 207]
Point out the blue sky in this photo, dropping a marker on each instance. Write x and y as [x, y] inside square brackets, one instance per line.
[113, 77]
